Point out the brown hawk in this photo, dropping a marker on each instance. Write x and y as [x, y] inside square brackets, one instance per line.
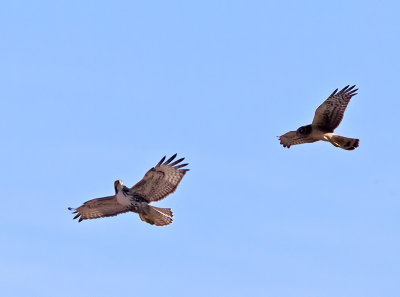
[158, 183]
[327, 118]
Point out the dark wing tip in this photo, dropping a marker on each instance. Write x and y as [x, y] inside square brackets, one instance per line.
[333, 93]
[77, 216]
[181, 165]
[176, 162]
[344, 89]
[169, 160]
[353, 92]
[161, 161]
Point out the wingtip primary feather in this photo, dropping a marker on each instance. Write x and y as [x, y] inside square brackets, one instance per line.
[352, 87]
[169, 160]
[181, 165]
[333, 93]
[347, 89]
[161, 161]
[176, 162]
[353, 92]
[344, 89]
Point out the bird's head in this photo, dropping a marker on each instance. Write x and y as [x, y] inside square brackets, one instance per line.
[304, 130]
[118, 185]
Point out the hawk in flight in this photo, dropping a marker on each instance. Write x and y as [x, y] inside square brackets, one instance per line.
[327, 118]
[158, 183]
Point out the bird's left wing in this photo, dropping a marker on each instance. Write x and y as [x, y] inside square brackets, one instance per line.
[161, 180]
[99, 208]
[291, 138]
[330, 113]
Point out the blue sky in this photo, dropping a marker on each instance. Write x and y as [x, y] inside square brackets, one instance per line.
[96, 91]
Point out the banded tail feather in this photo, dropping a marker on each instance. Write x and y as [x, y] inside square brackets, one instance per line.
[156, 216]
[345, 143]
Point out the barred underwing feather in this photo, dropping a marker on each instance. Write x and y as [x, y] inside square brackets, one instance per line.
[330, 113]
[160, 181]
[290, 138]
[99, 208]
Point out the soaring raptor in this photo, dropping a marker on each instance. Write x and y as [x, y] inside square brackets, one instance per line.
[158, 183]
[327, 118]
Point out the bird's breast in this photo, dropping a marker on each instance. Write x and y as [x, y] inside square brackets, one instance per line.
[123, 200]
[317, 133]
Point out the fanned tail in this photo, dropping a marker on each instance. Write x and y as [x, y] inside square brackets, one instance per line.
[344, 142]
[156, 215]
[165, 211]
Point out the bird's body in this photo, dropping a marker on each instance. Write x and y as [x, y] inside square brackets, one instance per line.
[158, 183]
[327, 118]
[320, 134]
[123, 197]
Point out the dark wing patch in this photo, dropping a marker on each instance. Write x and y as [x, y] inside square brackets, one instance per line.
[291, 138]
[161, 180]
[99, 208]
[330, 113]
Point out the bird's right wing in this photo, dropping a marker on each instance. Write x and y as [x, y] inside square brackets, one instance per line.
[161, 180]
[330, 113]
[291, 138]
[99, 208]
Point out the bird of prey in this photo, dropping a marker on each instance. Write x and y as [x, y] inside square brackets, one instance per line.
[158, 183]
[327, 118]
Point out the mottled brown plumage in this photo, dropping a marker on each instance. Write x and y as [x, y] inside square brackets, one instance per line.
[159, 182]
[327, 118]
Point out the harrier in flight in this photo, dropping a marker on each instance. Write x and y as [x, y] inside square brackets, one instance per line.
[158, 183]
[327, 118]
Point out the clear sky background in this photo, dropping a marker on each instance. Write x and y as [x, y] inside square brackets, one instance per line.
[94, 91]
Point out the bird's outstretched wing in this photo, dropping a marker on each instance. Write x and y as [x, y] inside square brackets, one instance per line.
[161, 180]
[99, 208]
[330, 113]
[291, 138]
